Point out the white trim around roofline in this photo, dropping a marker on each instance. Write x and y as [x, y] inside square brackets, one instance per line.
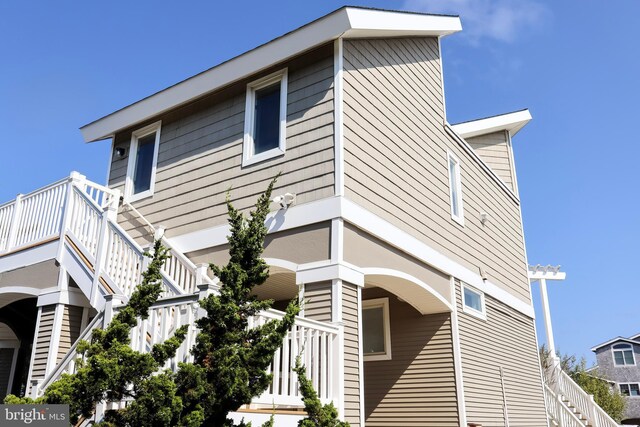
[347, 21]
[340, 207]
[511, 122]
[604, 344]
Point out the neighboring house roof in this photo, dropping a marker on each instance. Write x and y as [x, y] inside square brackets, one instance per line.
[613, 341]
[348, 22]
[512, 122]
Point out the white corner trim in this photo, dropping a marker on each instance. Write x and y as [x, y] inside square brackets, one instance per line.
[455, 188]
[129, 196]
[457, 356]
[248, 155]
[346, 21]
[444, 100]
[338, 116]
[360, 359]
[510, 122]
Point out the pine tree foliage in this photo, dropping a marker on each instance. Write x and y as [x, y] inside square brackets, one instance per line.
[231, 359]
[318, 415]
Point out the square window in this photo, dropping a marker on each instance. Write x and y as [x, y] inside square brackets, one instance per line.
[473, 302]
[376, 336]
[143, 157]
[630, 390]
[455, 189]
[623, 355]
[265, 118]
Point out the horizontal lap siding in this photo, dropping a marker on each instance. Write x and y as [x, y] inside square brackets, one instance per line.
[493, 149]
[505, 339]
[200, 157]
[317, 305]
[352, 377]
[417, 386]
[395, 160]
[41, 347]
[71, 320]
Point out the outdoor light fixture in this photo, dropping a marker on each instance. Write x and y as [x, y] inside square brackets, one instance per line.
[484, 217]
[285, 200]
[120, 152]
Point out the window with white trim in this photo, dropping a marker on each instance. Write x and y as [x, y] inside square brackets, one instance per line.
[630, 389]
[623, 355]
[376, 331]
[455, 189]
[473, 302]
[143, 156]
[265, 118]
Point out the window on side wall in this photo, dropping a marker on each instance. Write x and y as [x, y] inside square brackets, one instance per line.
[623, 355]
[376, 334]
[473, 302]
[143, 157]
[265, 118]
[630, 390]
[455, 189]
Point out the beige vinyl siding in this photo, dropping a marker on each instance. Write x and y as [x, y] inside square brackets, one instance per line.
[352, 377]
[417, 387]
[493, 149]
[6, 361]
[71, 320]
[396, 160]
[317, 297]
[505, 339]
[41, 347]
[200, 154]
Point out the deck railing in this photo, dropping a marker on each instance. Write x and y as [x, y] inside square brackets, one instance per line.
[86, 213]
[559, 412]
[568, 390]
[315, 342]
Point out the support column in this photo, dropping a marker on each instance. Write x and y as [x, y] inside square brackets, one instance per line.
[547, 317]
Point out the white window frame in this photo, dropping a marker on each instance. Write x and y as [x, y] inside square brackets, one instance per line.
[131, 165]
[386, 326]
[628, 347]
[455, 182]
[628, 384]
[248, 156]
[470, 310]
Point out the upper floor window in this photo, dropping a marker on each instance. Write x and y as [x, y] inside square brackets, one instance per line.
[265, 118]
[473, 302]
[143, 156]
[623, 355]
[632, 390]
[455, 189]
[376, 335]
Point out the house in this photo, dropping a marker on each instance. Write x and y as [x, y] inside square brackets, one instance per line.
[617, 361]
[402, 233]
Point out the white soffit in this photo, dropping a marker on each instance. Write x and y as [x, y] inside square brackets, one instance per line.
[512, 122]
[348, 22]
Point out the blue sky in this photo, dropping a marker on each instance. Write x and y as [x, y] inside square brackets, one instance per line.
[575, 65]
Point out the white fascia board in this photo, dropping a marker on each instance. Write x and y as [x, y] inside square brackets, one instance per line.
[345, 22]
[537, 275]
[615, 340]
[511, 122]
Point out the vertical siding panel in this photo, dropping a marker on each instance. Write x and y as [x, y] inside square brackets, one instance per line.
[505, 339]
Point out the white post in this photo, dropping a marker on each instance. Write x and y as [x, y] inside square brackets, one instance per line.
[547, 318]
[75, 179]
[15, 219]
[110, 213]
[111, 300]
[593, 411]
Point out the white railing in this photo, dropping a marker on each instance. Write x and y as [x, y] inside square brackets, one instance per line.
[564, 386]
[315, 342]
[559, 412]
[124, 259]
[6, 215]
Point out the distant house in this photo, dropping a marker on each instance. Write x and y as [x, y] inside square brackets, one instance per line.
[618, 361]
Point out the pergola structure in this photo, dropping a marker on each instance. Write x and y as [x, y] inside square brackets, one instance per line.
[542, 273]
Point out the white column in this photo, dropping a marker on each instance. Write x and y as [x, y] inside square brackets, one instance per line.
[547, 317]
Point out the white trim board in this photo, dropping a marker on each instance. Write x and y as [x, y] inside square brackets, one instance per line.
[341, 207]
[510, 122]
[346, 22]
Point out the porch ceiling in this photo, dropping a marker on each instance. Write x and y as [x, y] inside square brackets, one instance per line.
[419, 295]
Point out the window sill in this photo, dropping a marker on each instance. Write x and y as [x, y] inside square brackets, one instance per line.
[376, 357]
[270, 154]
[140, 196]
[474, 313]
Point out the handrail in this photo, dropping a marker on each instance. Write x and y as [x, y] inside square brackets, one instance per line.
[559, 411]
[68, 358]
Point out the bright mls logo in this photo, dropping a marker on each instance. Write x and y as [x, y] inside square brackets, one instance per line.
[34, 415]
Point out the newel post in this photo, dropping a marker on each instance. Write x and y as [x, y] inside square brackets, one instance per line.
[111, 300]
[15, 221]
[75, 180]
[593, 412]
[102, 245]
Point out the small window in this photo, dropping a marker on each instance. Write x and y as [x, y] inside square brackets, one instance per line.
[473, 302]
[265, 118]
[455, 189]
[376, 335]
[631, 390]
[623, 355]
[143, 156]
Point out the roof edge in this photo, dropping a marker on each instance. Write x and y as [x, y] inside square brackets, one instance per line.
[611, 341]
[349, 22]
[512, 122]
